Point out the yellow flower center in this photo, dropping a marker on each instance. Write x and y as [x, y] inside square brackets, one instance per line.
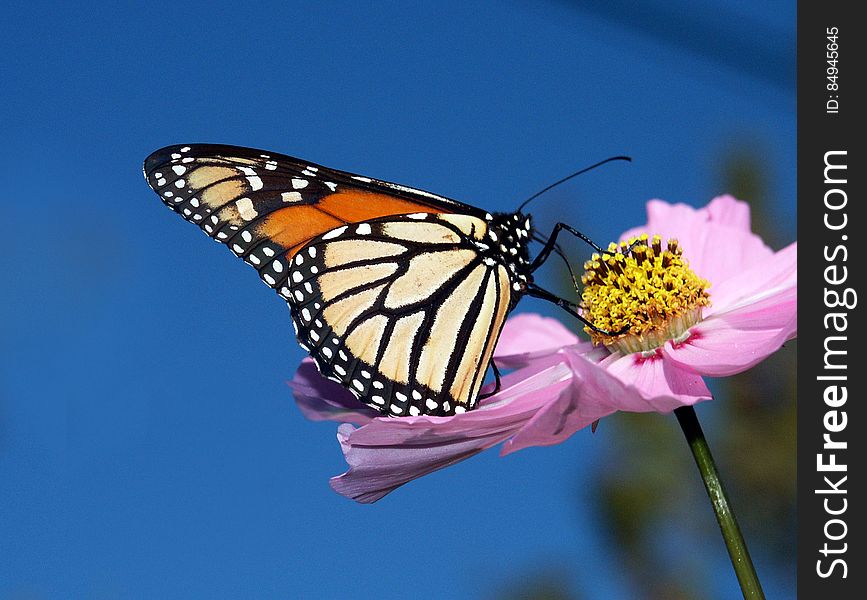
[642, 294]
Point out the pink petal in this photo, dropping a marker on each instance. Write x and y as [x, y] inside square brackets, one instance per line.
[729, 211]
[761, 279]
[388, 452]
[715, 240]
[662, 385]
[754, 313]
[376, 471]
[720, 348]
[595, 392]
[528, 336]
[322, 400]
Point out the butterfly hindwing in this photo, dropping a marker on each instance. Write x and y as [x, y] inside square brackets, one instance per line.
[403, 311]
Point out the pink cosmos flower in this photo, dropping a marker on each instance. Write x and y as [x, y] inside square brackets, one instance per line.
[561, 384]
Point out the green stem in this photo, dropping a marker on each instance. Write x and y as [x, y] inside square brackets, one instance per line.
[731, 533]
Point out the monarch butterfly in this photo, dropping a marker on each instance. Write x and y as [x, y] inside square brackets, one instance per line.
[397, 294]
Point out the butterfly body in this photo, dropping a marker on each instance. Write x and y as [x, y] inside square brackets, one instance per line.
[397, 294]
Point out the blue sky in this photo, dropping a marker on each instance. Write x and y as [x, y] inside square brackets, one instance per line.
[149, 446]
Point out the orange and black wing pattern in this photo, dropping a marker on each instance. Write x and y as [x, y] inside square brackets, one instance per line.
[258, 200]
[397, 294]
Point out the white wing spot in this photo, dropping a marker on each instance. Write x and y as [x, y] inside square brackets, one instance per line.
[299, 184]
[363, 229]
[278, 266]
[179, 170]
[246, 209]
[291, 197]
[334, 233]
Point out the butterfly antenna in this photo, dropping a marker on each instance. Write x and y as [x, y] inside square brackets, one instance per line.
[568, 177]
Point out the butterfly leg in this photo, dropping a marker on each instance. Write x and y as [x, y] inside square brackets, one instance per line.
[497, 383]
[559, 252]
[537, 292]
[552, 242]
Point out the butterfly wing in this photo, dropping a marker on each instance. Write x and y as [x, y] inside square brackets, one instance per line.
[403, 311]
[242, 197]
[388, 289]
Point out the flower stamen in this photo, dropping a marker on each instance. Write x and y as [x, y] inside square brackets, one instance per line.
[646, 290]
